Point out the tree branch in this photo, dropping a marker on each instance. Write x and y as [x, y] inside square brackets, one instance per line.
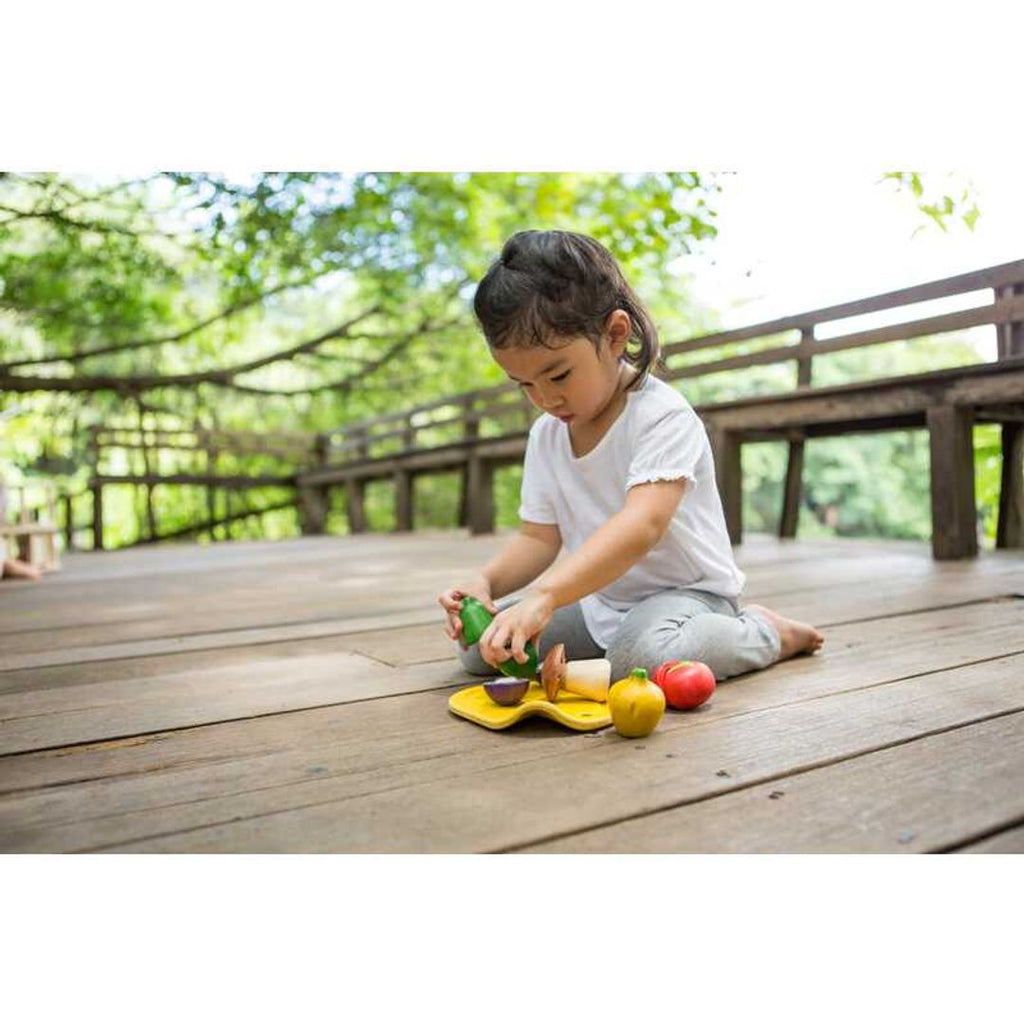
[346, 384]
[147, 382]
[79, 357]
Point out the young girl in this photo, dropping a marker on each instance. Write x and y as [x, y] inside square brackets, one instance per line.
[619, 470]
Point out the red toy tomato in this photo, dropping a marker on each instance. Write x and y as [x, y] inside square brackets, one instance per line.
[687, 684]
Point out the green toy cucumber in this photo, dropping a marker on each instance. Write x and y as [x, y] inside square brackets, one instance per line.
[475, 620]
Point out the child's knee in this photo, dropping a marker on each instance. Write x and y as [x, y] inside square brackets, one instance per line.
[648, 648]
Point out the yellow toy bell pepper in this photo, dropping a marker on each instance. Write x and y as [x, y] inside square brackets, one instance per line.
[636, 705]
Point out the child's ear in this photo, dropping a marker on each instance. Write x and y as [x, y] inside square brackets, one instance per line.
[618, 329]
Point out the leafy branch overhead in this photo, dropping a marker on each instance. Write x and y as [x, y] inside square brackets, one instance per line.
[175, 281]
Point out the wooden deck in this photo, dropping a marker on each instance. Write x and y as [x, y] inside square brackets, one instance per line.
[292, 696]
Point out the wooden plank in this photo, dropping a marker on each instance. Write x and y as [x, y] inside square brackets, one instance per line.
[999, 312]
[818, 589]
[237, 481]
[1009, 841]
[928, 384]
[411, 645]
[337, 627]
[404, 774]
[510, 447]
[990, 277]
[918, 796]
[85, 713]
[443, 798]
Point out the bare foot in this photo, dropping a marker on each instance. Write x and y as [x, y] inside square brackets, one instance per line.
[15, 569]
[795, 637]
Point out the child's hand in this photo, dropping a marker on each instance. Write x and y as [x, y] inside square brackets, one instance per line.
[451, 602]
[511, 629]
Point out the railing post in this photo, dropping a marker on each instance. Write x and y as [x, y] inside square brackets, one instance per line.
[69, 522]
[355, 490]
[403, 501]
[315, 500]
[470, 432]
[1010, 521]
[795, 464]
[404, 484]
[96, 487]
[97, 516]
[954, 517]
[725, 446]
[1010, 525]
[480, 487]
[313, 507]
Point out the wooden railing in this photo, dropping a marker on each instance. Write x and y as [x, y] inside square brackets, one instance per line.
[196, 457]
[481, 430]
[476, 432]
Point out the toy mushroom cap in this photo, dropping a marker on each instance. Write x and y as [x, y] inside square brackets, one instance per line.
[553, 671]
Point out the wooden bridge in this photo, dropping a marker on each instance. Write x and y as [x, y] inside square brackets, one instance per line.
[292, 695]
[477, 432]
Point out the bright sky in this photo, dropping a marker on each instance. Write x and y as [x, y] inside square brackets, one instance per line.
[793, 241]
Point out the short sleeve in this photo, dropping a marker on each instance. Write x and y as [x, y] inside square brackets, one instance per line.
[536, 498]
[667, 449]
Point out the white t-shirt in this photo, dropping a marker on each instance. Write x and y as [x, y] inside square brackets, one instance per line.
[657, 436]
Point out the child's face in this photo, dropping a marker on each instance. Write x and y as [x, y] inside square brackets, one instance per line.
[574, 381]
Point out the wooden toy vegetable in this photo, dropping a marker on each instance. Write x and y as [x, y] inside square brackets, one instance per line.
[475, 620]
[636, 705]
[588, 677]
[507, 692]
[686, 684]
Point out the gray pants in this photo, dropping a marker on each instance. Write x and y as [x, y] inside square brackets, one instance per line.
[684, 625]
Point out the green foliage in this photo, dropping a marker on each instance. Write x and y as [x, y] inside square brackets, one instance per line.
[951, 200]
[194, 273]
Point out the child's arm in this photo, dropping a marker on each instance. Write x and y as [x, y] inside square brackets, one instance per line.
[520, 562]
[607, 553]
[523, 558]
[618, 545]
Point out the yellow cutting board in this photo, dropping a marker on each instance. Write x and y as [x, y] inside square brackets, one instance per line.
[568, 709]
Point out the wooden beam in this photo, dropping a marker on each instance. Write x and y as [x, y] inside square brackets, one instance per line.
[1010, 527]
[97, 515]
[202, 480]
[726, 448]
[481, 495]
[471, 431]
[355, 495]
[69, 522]
[314, 504]
[999, 312]
[990, 277]
[790, 516]
[792, 490]
[208, 525]
[403, 500]
[954, 523]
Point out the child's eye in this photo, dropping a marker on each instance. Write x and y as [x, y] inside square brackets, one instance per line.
[561, 376]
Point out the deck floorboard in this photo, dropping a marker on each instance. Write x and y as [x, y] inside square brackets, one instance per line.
[293, 697]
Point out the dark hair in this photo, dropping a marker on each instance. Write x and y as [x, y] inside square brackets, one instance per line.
[548, 285]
